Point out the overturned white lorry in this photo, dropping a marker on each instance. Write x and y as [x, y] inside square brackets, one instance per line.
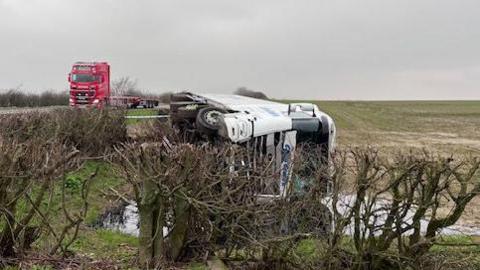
[269, 129]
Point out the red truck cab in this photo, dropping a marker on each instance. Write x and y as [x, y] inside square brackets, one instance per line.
[89, 84]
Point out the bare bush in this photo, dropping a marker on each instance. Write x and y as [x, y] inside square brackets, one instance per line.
[191, 191]
[91, 131]
[28, 170]
[243, 91]
[37, 152]
[196, 200]
[208, 199]
[94, 132]
[394, 214]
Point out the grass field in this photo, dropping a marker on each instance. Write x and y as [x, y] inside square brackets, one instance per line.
[443, 126]
[140, 112]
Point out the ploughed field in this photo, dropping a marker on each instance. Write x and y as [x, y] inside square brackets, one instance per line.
[447, 127]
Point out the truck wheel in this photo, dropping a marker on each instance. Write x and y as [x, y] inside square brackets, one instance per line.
[207, 120]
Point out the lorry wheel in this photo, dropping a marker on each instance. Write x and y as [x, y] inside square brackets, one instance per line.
[207, 120]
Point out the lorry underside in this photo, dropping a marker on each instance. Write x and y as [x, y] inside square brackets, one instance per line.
[241, 119]
[271, 133]
[270, 130]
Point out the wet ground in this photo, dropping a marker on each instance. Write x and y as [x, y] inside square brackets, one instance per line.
[346, 201]
[124, 218]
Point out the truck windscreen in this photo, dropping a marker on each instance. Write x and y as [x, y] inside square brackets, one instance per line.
[85, 78]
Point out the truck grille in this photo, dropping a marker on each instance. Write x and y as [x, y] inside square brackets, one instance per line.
[84, 97]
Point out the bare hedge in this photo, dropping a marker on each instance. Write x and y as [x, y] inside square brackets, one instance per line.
[17, 98]
[93, 132]
[398, 206]
[365, 211]
[37, 150]
[387, 208]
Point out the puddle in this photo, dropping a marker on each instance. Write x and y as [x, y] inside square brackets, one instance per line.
[346, 201]
[124, 218]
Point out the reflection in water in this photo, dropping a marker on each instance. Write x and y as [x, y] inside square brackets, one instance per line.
[124, 218]
[345, 202]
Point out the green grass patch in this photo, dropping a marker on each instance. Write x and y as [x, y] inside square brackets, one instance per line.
[100, 243]
[99, 186]
[99, 199]
[140, 112]
[93, 243]
[103, 244]
[458, 243]
[105, 179]
[307, 248]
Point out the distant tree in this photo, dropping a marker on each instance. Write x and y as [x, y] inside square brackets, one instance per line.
[52, 98]
[125, 86]
[244, 91]
[17, 97]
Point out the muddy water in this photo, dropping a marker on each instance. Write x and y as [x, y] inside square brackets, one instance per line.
[346, 201]
[125, 218]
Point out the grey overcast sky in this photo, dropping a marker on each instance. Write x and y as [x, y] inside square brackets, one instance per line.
[335, 49]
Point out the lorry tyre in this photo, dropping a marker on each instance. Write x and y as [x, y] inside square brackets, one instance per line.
[207, 120]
